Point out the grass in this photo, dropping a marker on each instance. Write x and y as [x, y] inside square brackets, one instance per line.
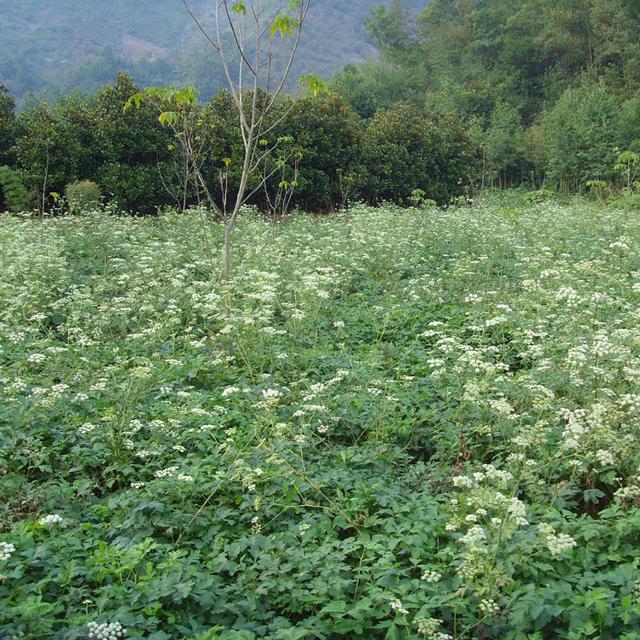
[389, 424]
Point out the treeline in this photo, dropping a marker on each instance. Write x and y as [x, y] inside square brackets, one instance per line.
[468, 94]
[549, 89]
[322, 154]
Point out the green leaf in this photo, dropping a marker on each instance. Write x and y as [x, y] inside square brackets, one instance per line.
[314, 84]
[284, 24]
[335, 607]
[168, 118]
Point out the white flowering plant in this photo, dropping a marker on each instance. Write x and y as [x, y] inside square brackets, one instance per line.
[384, 426]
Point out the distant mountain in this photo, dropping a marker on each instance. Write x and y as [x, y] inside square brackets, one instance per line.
[54, 46]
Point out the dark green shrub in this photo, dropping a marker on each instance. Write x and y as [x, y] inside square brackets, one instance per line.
[83, 196]
[56, 145]
[14, 195]
[404, 150]
[7, 126]
[328, 136]
[503, 145]
[538, 196]
[136, 150]
[580, 134]
[370, 87]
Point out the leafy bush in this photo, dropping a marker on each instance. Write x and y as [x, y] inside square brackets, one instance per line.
[503, 144]
[369, 88]
[629, 127]
[13, 191]
[329, 138]
[539, 196]
[83, 196]
[580, 137]
[7, 126]
[403, 150]
[628, 199]
[135, 150]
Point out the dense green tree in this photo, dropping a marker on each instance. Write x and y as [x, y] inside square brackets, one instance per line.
[403, 150]
[616, 49]
[7, 141]
[372, 86]
[629, 125]
[523, 53]
[14, 195]
[56, 144]
[7, 126]
[40, 152]
[504, 63]
[503, 145]
[327, 135]
[135, 148]
[224, 145]
[76, 121]
[391, 30]
[580, 136]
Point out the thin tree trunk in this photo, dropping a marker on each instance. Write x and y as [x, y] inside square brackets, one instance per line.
[228, 249]
[44, 186]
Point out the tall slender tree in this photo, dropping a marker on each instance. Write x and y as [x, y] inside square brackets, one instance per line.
[257, 41]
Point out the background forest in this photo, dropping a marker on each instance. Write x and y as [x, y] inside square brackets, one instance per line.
[461, 96]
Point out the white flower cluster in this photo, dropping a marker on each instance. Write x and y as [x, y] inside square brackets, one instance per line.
[256, 525]
[621, 244]
[489, 474]
[556, 543]
[397, 607]
[518, 511]
[271, 396]
[489, 607]
[165, 473]
[430, 628]
[431, 576]
[51, 519]
[462, 482]
[474, 539]
[229, 391]
[605, 458]
[497, 320]
[631, 492]
[106, 631]
[6, 550]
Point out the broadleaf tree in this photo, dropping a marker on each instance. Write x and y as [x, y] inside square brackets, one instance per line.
[178, 110]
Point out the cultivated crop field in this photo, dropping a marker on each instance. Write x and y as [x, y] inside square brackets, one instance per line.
[389, 424]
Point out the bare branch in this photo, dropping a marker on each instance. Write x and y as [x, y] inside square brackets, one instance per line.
[198, 24]
[235, 37]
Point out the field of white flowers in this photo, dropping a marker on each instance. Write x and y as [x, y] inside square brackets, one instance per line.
[388, 424]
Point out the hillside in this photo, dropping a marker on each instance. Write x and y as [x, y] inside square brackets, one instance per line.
[54, 46]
